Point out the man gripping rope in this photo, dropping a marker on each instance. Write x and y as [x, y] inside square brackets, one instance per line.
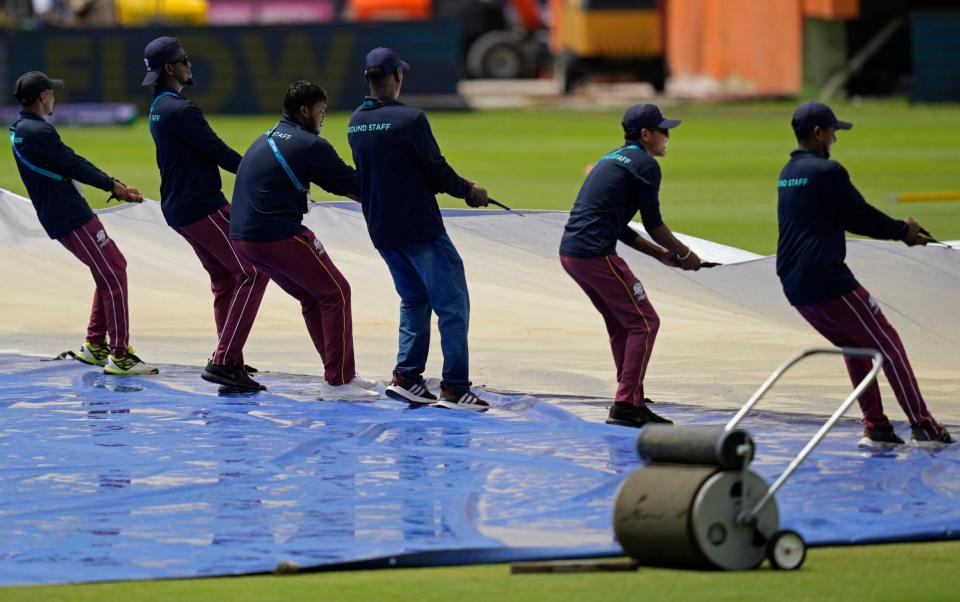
[623, 182]
[51, 172]
[817, 204]
[401, 171]
[269, 200]
[189, 155]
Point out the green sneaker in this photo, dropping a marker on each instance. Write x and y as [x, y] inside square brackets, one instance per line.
[128, 365]
[95, 355]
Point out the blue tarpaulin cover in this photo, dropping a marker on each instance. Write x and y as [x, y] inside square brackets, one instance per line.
[108, 478]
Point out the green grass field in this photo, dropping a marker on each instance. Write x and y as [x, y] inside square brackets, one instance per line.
[719, 183]
[719, 175]
[875, 574]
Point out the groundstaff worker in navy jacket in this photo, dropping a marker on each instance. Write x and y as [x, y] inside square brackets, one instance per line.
[190, 156]
[623, 182]
[51, 172]
[269, 200]
[401, 171]
[817, 203]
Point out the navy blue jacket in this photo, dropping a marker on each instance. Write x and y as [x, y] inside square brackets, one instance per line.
[816, 204]
[266, 203]
[56, 197]
[401, 172]
[188, 155]
[623, 182]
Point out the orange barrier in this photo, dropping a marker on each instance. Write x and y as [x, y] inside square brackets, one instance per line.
[747, 46]
[832, 9]
[391, 10]
[752, 46]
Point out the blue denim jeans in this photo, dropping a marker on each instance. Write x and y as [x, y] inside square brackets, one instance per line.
[429, 279]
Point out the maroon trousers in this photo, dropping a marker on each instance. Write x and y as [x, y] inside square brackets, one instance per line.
[855, 320]
[631, 321]
[110, 316]
[237, 285]
[301, 267]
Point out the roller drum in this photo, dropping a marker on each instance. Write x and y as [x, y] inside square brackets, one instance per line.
[651, 515]
[705, 446]
[685, 516]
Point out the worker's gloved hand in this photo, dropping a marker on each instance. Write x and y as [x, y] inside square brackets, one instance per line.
[477, 197]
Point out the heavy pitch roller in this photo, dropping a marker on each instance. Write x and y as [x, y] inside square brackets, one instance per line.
[696, 504]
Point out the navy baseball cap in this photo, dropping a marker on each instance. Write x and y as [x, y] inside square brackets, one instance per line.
[812, 114]
[646, 116]
[29, 86]
[156, 54]
[386, 60]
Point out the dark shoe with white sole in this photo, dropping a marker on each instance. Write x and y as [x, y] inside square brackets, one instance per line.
[455, 399]
[232, 377]
[628, 414]
[928, 440]
[409, 389]
[883, 437]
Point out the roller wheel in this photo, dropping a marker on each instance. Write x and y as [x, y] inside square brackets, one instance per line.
[786, 550]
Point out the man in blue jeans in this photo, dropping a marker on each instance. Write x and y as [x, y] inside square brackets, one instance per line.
[401, 170]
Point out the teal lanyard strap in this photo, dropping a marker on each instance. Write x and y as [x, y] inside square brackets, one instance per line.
[620, 150]
[283, 162]
[29, 165]
[153, 105]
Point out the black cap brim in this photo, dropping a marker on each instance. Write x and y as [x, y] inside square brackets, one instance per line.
[843, 125]
[667, 124]
[405, 65]
[56, 84]
[149, 78]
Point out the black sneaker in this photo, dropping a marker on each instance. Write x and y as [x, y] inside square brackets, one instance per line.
[232, 377]
[454, 399]
[627, 414]
[883, 437]
[922, 438]
[411, 390]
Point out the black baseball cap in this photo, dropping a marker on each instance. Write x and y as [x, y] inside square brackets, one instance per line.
[385, 60]
[647, 116]
[812, 114]
[156, 54]
[29, 86]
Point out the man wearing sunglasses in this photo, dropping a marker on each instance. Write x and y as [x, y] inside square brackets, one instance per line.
[190, 156]
[817, 204]
[623, 182]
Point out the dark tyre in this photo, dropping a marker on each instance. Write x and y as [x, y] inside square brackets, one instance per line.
[497, 55]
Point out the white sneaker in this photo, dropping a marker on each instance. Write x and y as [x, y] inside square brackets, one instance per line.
[128, 365]
[349, 391]
[95, 355]
[364, 383]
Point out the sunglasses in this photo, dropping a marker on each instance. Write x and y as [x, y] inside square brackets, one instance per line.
[184, 59]
[663, 131]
